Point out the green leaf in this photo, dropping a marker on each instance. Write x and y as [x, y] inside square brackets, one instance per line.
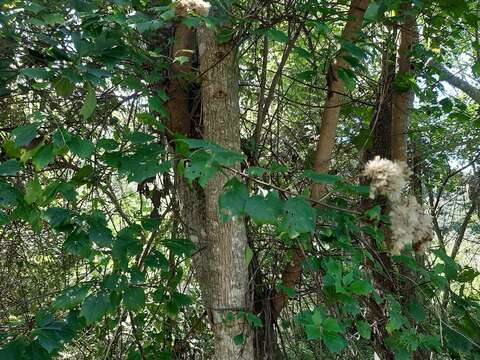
[277, 35]
[10, 168]
[78, 244]
[256, 171]
[348, 78]
[95, 307]
[372, 11]
[361, 287]
[264, 210]
[299, 217]
[155, 104]
[58, 216]
[71, 297]
[313, 332]
[239, 339]
[100, 235]
[138, 137]
[201, 167]
[396, 319]
[64, 87]
[134, 298]
[25, 134]
[321, 178]
[363, 329]
[90, 103]
[254, 320]
[232, 200]
[248, 255]
[180, 247]
[33, 191]
[83, 148]
[36, 73]
[331, 325]
[416, 310]
[335, 343]
[44, 156]
[14, 350]
[181, 299]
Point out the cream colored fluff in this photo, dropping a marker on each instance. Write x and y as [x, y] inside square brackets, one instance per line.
[200, 7]
[410, 225]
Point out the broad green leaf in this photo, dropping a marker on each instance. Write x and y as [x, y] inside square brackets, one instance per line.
[64, 87]
[71, 297]
[416, 310]
[14, 350]
[232, 200]
[321, 178]
[180, 246]
[58, 216]
[181, 299]
[33, 191]
[36, 73]
[313, 332]
[361, 287]
[95, 307]
[78, 244]
[239, 339]
[335, 343]
[155, 104]
[264, 210]
[100, 235]
[10, 168]
[25, 134]
[44, 156]
[277, 35]
[372, 11]
[299, 217]
[134, 298]
[89, 104]
[256, 171]
[363, 329]
[331, 325]
[83, 148]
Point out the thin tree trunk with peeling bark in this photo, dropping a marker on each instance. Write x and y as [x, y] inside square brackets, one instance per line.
[227, 241]
[336, 87]
[293, 271]
[403, 99]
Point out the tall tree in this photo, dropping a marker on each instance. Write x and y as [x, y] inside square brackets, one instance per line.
[227, 241]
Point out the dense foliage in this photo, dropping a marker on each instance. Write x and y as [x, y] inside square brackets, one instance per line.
[96, 257]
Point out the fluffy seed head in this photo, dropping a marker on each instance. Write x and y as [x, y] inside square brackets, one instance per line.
[388, 177]
[410, 225]
[184, 7]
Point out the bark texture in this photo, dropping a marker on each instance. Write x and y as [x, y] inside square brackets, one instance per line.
[178, 86]
[336, 87]
[403, 99]
[228, 272]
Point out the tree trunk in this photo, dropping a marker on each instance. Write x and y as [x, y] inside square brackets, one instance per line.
[227, 241]
[293, 271]
[381, 127]
[403, 99]
[455, 81]
[336, 87]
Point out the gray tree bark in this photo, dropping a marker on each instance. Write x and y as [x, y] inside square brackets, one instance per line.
[227, 241]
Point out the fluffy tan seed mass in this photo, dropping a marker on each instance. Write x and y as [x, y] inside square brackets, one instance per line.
[199, 7]
[388, 177]
[409, 224]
